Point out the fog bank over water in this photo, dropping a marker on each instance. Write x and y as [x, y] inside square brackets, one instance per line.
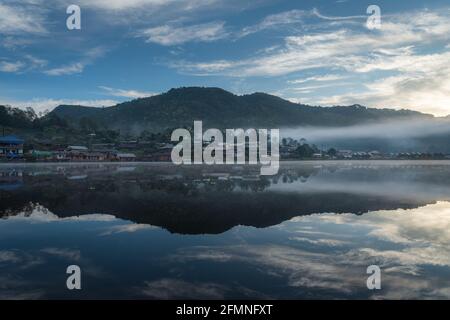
[406, 135]
[405, 129]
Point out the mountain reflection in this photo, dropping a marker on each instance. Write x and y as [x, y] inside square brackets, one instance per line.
[212, 200]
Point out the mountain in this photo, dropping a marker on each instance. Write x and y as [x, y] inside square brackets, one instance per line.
[345, 127]
[221, 109]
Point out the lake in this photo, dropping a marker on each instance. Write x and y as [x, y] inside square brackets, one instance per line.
[158, 231]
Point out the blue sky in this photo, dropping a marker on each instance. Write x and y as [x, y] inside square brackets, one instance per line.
[314, 51]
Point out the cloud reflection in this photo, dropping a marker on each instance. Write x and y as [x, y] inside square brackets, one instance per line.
[407, 244]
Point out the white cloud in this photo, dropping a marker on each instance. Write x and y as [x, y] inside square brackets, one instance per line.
[47, 104]
[21, 260]
[9, 257]
[77, 67]
[319, 49]
[35, 62]
[39, 214]
[294, 17]
[275, 20]
[65, 253]
[343, 48]
[420, 80]
[151, 6]
[423, 85]
[28, 63]
[19, 20]
[127, 228]
[12, 42]
[327, 77]
[336, 18]
[320, 86]
[6, 66]
[180, 289]
[172, 35]
[72, 68]
[133, 94]
[404, 243]
[301, 267]
[324, 242]
[124, 5]
[424, 232]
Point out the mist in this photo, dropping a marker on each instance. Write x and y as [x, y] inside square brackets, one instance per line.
[420, 134]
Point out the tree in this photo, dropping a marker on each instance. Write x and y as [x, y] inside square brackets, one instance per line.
[332, 152]
[305, 151]
[87, 124]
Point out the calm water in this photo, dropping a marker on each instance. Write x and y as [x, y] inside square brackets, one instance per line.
[155, 231]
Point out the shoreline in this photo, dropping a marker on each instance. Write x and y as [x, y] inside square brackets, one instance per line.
[335, 161]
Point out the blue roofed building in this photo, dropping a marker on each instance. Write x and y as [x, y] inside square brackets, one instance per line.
[11, 147]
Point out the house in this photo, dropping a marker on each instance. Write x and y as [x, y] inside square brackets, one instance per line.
[41, 155]
[76, 153]
[165, 146]
[161, 155]
[103, 146]
[106, 154]
[87, 156]
[125, 157]
[346, 154]
[81, 153]
[128, 145]
[59, 156]
[375, 154]
[317, 155]
[11, 147]
[164, 153]
[77, 148]
[94, 156]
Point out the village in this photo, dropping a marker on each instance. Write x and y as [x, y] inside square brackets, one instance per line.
[15, 148]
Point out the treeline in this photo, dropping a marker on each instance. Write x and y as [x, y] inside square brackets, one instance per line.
[50, 128]
[28, 119]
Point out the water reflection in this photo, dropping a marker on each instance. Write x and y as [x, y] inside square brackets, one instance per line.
[212, 200]
[139, 232]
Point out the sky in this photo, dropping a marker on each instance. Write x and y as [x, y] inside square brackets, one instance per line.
[317, 52]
